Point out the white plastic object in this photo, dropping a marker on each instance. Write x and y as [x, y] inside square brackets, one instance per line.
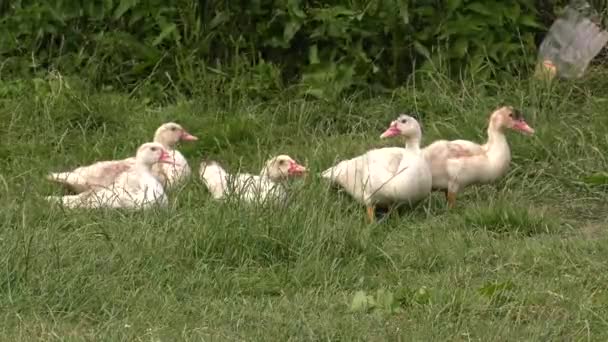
[572, 42]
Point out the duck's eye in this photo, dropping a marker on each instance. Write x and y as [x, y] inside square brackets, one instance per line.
[154, 149]
[174, 129]
[511, 115]
[403, 121]
[282, 162]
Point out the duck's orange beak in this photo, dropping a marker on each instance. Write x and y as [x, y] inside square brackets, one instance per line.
[296, 169]
[522, 126]
[391, 131]
[166, 158]
[187, 136]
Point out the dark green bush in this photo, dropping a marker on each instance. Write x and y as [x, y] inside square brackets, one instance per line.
[323, 47]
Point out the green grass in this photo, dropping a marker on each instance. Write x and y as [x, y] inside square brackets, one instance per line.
[522, 259]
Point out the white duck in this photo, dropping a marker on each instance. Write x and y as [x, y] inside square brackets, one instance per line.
[134, 188]
[457, 164]
[268, 185]
[103, 173]
[171, 175]
[386, 176]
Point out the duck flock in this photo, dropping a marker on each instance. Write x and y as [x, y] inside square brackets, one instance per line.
[379, 178]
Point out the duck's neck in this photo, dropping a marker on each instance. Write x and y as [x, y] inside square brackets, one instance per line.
[496, 137]
[159, 139]
[412, 144]
[141, 167]
[497, 145]
[265, 174]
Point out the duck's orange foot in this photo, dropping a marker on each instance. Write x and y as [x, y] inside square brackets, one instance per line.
[371, 213]
[451, 197]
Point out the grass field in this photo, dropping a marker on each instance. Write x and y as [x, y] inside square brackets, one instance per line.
[522, 259]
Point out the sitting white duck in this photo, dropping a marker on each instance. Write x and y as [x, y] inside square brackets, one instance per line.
[135, 188]
[268, 185]
[457, 164]
[387, 176]
[103, 173]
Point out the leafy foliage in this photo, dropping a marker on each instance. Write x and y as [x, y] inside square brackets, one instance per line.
[599, 178]
[388, 302]
[324, 48]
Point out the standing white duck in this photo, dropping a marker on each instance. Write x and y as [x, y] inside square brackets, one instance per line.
[457, 164]
[134, 188]
[104, 173]
[268, 185]
[387, 176]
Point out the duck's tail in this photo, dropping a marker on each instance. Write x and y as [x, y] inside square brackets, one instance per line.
[70, 179]
[334, 173]
[214, 177]
[71, 201]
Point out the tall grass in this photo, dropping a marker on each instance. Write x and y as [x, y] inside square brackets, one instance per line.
[520, 259]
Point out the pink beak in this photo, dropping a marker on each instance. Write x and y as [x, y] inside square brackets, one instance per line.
[188, 137]
[296, 169]
[391, 131]
[166, 158]
[522, 126]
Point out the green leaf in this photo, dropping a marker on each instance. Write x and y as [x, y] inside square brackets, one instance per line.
[135, 45]
[530, 21]
[361, 302]
[316, 92]
[107, 5]
[492, 289]
[493, 50]
[421, 49]
[498, 293]
[56, 15]
[275, 42]
[451, 5]
[135, 17]
[166, 31]
[422, 296]
[219, 19]
[338, 29]
[424, 34]
[318, 32]
[293, 6]
[425, 11]
[341, 10]
[89, 9]
[460, 47]
[512, 13]
[123, 7]
[291, 28]
[404, 12]
[313, 54]
[384, 299]
[600, 178]
[344, 76]
[510, 47]
[480, 8]
[463, 26]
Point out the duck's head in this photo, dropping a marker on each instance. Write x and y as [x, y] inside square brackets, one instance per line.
[406, 126]
[169, 134]
[283, 167]
[507, 117]
[152, 153]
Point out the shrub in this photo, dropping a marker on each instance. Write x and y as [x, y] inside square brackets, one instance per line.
[324, 48]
